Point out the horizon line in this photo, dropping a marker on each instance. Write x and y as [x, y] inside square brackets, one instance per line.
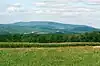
[48, 21]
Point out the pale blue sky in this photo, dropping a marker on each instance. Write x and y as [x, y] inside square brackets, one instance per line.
[85, 12]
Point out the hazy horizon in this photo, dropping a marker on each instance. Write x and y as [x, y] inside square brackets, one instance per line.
[50, 21]
[80, 12]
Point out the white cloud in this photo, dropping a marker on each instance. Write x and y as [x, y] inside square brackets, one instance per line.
[39, 3]
[94, 1]
[15, 7]
[52, 8]
[12, 9]
[67, 11]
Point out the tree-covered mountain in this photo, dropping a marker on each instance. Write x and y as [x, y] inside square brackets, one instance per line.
[43, 27]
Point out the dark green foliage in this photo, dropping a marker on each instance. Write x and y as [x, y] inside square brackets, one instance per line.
[51, 38]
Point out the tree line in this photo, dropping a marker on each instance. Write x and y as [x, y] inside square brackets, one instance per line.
[51, 38]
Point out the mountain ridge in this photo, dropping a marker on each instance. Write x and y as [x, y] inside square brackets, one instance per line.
[44, 27]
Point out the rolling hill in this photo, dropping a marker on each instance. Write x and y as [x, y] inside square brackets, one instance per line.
[43, 27]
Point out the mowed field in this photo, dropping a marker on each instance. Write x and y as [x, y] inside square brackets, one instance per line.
[53, 56]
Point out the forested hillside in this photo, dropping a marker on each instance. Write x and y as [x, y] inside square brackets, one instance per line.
[51, 38]
[44, 27]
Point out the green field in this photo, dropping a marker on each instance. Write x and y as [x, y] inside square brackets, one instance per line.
[54, 56]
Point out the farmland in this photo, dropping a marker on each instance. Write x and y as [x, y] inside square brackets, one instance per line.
[54, 56]
[50, 54]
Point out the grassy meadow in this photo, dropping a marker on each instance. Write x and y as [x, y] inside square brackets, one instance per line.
[53, 56]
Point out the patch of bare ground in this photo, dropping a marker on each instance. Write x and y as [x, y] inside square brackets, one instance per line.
[96, 46]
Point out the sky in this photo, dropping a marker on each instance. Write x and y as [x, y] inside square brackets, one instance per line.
[82, 12]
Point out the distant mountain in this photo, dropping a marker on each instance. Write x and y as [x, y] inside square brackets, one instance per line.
[43, 27]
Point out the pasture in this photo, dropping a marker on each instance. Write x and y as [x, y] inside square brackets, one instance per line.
[53, 56]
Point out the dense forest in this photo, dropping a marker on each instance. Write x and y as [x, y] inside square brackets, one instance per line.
[51, 38]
